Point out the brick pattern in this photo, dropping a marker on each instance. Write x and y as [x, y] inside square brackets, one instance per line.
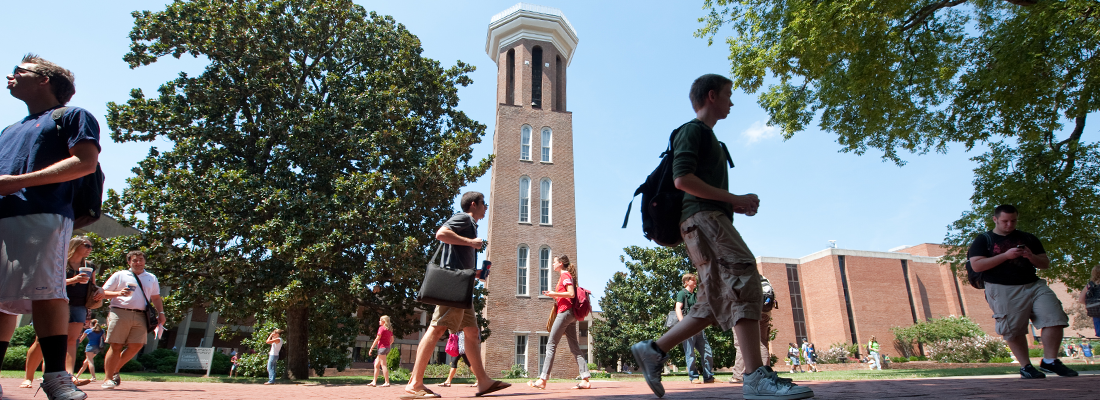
[510, 314]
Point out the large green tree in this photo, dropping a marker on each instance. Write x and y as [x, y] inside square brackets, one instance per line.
[636, 302]
[313, 158]
[1018, 76]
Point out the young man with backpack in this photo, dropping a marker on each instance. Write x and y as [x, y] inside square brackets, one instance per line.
[684, 300]
[42, 160]
[1007, 259]
[730, 293]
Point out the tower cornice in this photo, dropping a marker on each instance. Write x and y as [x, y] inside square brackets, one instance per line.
[534, 22]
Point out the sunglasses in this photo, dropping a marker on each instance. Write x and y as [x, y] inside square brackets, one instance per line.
[87, 246]
[18, 69]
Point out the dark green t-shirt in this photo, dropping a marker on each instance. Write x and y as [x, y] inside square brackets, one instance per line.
[697, 151]
[686, 297]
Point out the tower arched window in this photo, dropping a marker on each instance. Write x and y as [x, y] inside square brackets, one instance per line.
[545, 194]
[536, 77]
[510, 77]
[521, 269]
[544, 269]
[524, 199]
[547, 141]
[525, 143]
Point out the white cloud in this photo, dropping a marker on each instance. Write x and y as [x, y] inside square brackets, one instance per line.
[760, 131]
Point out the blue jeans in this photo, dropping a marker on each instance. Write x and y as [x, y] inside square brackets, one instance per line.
[699, 343]
[1096, 325]
[271, 367]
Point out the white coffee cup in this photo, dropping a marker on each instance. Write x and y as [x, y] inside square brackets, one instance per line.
[87, 271]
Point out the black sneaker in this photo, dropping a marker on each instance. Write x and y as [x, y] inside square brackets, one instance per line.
[1029, 372]
[1057, 367]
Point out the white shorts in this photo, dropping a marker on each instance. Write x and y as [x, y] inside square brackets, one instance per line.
[33, 249]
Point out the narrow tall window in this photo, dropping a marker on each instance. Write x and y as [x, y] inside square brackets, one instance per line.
[525, 199]
[544, 200]
[543, 341]
[536, 77]
[559, 85]
[521, 351]
[547, 140]
[797, 311]
[525, 143]
[544, 269]
[510, 85]
[521, 270]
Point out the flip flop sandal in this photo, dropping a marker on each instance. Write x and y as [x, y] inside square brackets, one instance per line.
[386, 385]
[26, 385]
[444, 384]
[532, 384]
[582, 386]
[496, 386]
[421, 394]
[371, 384]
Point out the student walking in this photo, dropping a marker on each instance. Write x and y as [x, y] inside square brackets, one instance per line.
[453, 361]
[810, 354]
[730, 293]
[384, 340]
[95, 344]
[1090, 297]
[684, 300]
[565, 323]
[875, 360]
[276, 343]
[792, 357]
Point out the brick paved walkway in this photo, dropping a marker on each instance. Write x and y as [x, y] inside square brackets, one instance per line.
[984, 387]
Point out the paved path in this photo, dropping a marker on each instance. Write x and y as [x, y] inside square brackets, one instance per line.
[1086, 386]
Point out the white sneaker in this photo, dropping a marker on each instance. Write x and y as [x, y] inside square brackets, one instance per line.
[61, 387]
[108, 384]
[764, 384]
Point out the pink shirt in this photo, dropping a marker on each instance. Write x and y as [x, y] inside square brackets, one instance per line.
[385, 337]
[564, 303]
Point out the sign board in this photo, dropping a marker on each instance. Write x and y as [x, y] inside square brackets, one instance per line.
[195, 358]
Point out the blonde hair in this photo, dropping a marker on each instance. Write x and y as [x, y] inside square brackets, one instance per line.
[95, 326]
[1095, 274]
[387, 323]
[687, 276]
[76, 241]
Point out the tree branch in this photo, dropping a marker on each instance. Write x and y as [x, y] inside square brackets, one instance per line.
[928, 11]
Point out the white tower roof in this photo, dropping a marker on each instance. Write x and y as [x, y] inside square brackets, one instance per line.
[529, 21]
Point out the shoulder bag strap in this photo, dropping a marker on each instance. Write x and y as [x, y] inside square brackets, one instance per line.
[143, 294]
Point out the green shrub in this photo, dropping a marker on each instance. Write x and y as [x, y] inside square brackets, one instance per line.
[934, 331]
[16, 358]
[515, 372]
[132, 366]
[1000, 360]
[918, 358]
[968, 350]
[23, 336]
[592, 367]
[601, 375]
[852, 348]
[837, 353]
[399, 374]
[1035, 353]
[393, 359]
[255, 365]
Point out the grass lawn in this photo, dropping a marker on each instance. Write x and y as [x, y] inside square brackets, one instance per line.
[817, 376]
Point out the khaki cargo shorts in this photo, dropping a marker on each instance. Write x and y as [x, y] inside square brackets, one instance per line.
[1014, 305]
[729, 283]
[453, 318]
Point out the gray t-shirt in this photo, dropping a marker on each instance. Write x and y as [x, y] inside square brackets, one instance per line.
[460, 257]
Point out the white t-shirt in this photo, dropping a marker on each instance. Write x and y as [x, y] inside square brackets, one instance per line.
[275, 347]
[135, 300]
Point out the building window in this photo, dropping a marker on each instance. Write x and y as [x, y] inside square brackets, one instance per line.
[510, 86]
[525, 143]
[559, 85]
[796, 303]
[547, 135]
[536, 77]
[543, 341]
[521, 270]
[521, 351]
[544, 201]
[544, 269]
[524, 199]
[583, 327]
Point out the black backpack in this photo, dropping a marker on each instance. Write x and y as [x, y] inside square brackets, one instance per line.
[973, 276]
[88, 193]
[662, 202]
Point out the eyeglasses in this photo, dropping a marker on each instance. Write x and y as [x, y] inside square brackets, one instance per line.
[19, 69]
[87, 246]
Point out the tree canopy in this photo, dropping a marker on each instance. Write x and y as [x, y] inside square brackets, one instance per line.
[1019, 77]
[313, 158]
[635, 304]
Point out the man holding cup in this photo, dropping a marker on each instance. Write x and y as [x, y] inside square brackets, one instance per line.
[126, 322]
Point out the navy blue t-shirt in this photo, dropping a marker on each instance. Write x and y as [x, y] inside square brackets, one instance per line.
[33, 144]
[460, 257]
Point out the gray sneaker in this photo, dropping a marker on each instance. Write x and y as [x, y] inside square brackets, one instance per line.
[61, 388]
[764, 384]
[651, 360]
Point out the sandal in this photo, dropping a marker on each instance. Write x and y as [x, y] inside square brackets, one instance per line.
[385, 385]
[421, 394]
[371, 384]
[583, 385]
[497, 385]
[532, 384]
[27, 384]
[444, 384]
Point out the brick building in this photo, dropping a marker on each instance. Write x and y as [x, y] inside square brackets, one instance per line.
[531, 215]
[846, 296]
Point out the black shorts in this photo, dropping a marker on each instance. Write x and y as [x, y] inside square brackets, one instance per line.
[454, 360]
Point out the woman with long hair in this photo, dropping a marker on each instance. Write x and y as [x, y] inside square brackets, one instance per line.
[1094, 281]
[95, 336]
[383, 340]
[77, 285]
[564, 324]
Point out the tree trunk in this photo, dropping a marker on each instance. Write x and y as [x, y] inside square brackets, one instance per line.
[297, 333]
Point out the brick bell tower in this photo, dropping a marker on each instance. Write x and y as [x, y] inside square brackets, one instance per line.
[531, 212]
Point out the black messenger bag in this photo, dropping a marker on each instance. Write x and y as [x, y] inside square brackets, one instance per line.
[447, 287]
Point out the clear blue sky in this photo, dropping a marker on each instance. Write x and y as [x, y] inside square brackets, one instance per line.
[628, 86]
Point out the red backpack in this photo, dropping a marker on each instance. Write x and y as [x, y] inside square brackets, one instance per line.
[581, 303]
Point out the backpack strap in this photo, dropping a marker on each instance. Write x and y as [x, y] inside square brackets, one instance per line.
[56, 114]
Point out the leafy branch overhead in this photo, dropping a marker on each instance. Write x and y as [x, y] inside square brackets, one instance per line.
[1019, 77]
[312, 159]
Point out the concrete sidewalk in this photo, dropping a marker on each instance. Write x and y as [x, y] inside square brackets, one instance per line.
[1086, 386]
